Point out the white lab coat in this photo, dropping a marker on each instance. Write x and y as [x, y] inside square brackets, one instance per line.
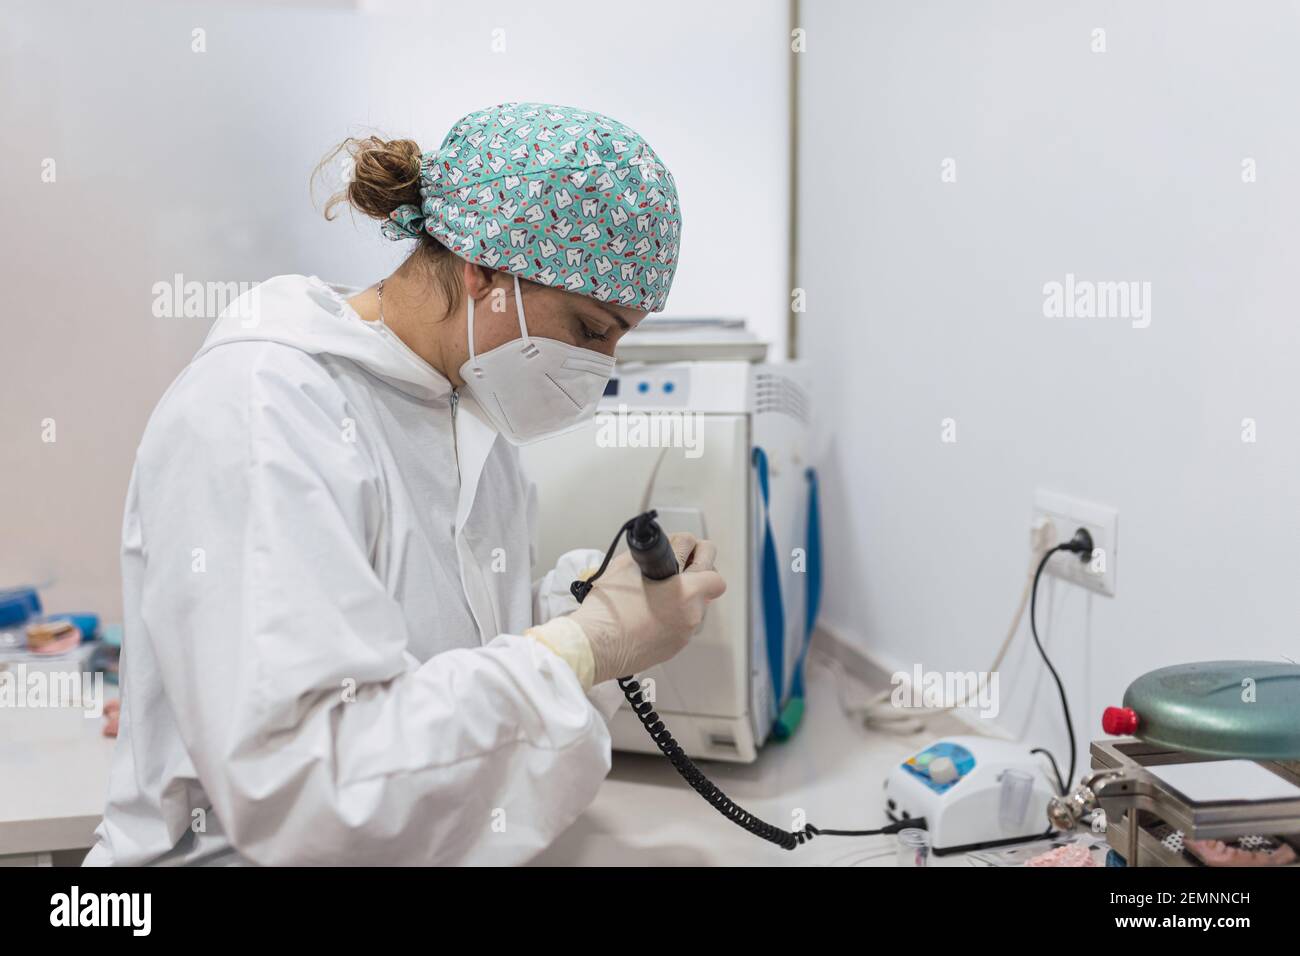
[326, 573]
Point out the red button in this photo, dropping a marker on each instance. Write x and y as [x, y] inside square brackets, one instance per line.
[1119, 721]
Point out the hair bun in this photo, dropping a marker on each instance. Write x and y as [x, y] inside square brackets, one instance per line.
[381, 175]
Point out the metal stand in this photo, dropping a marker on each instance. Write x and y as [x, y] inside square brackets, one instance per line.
[1125, 791]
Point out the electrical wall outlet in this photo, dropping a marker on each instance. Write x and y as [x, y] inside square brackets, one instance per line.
[1068, 515]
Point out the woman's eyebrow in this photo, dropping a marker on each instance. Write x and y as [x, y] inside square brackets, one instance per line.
[614, 315]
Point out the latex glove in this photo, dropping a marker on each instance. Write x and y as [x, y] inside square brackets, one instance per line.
[552, 598]
[632, 623]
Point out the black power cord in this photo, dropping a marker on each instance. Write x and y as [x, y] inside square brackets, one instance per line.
[668, 746]
[1080, 544]
[1056, 771]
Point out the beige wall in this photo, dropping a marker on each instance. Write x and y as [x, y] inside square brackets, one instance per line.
[169, 162]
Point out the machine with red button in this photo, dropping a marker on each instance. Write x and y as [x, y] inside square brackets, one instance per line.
[1239, 713]
[1119, 721]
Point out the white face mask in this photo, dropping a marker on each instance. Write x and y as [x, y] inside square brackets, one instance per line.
[533, 388]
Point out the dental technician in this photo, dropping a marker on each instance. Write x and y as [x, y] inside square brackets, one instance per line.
[333, 653]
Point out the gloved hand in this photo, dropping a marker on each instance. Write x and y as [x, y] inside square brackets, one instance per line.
[633, 623]
[551, 594]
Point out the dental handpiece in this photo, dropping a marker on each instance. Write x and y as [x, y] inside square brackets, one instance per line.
[647, 544]
[650, 548]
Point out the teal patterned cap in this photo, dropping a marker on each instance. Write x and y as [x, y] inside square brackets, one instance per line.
[561, 196]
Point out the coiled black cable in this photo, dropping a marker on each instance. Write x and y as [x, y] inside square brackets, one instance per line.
[701, 784]
[706, 788]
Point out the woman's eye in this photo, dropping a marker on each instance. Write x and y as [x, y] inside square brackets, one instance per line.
[588, 334]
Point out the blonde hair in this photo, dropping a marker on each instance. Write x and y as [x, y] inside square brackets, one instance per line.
[386, 175]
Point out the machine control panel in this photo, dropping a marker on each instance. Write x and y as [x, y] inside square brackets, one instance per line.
[940, 766]
[654, 387]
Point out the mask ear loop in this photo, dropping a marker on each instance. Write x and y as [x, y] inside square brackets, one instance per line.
[473, 359]
[529, 348]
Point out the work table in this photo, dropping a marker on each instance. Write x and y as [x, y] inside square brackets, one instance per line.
[644, 814]
[56, 765]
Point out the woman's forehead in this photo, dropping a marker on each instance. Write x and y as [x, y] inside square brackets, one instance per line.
[626, 317]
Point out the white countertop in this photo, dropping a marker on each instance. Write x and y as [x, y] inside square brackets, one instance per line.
[833, 769]
[54, 765]
[644, 815]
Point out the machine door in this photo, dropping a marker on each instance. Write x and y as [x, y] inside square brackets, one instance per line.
[592, 480]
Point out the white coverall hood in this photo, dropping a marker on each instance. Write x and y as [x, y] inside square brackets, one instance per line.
[326, 574]
[308, 314]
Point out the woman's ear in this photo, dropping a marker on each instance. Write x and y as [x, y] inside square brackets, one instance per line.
[477, 280]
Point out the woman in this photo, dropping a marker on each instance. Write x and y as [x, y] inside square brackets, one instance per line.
[333, 654]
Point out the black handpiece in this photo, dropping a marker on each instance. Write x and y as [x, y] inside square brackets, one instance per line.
[650, 548]
[653, 553]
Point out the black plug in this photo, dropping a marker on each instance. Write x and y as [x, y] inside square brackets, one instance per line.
[1080, 544]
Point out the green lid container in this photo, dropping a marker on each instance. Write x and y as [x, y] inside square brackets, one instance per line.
[1247, 709]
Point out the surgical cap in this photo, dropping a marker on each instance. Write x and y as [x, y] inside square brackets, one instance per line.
[561, 196]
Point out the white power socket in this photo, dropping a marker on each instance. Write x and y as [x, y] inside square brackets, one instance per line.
[1067, 515]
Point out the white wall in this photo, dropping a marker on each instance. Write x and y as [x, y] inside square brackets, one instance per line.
[926, 303]
[174, 162]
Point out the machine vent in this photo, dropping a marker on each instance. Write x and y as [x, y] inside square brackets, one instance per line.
[774, 393]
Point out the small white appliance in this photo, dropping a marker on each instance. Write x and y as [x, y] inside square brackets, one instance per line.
[973, 792]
